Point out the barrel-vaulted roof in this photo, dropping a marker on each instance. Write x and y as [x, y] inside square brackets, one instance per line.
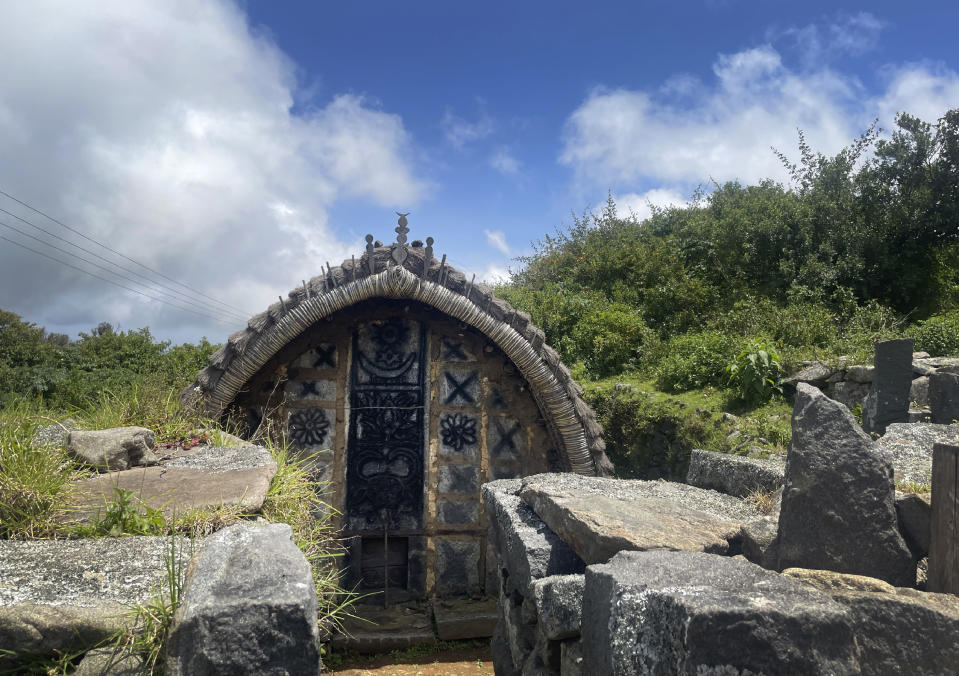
[411, 272]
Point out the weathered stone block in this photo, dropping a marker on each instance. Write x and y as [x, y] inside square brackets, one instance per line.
[458, 479]
[910, 448]
[919, 391]
[457, 513]
[598, 517]
[558, 601]
[888, 398]
[526, 546]
[838, 510]
[915, 522]
[944, 398]
[733, 474]
[694, 613]
[113, 449]
[571, 658]
[248, 607]
[68, 595]
[457, 567]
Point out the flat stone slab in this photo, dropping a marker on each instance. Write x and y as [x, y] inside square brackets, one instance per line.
[694, 613]
[734, 475]
[70, 594]
[459, 619]
[375, 629]
[599, 517]
[211, 477]
[909, 446]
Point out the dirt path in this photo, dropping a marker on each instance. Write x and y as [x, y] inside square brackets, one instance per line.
[469, 660]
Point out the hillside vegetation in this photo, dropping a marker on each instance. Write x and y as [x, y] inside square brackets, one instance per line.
[723, 296]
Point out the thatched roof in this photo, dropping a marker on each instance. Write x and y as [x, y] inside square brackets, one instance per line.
[410, 272]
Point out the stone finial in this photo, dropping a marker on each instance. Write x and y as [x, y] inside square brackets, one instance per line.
[402, 229]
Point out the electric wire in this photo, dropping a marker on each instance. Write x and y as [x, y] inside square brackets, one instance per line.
[135, 262]
[208, 310]
[157, 287]
[110, 281]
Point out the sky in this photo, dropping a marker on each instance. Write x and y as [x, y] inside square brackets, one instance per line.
[227, 150]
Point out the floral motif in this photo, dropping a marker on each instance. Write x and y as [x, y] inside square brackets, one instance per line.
[308, 426]
[458, 430]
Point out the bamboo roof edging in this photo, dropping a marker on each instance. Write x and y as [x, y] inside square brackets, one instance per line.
[420, 277]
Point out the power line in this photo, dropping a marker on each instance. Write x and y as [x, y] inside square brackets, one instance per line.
[110, 281]
[90, 239]
[166, 289]
[208, 310]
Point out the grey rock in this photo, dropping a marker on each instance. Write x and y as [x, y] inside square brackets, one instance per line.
[598, 517]
[248, 607]
[814, 373]
[55, 434]
[838, 510]
[110, 661]
[919, 391]
[118, 448]
[860, 373]
[888, 398]
[571, 658]
[906, 632]
[847, 392]
[67, 595]
[696, 613]
[915, 522]
[910, 448]
[944, 398]
[733, 474]
[919, 416]
[526, 546]
[559, 605]
[500, 653]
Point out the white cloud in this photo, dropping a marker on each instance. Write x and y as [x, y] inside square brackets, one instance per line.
[503, 161]
[164, 129]
[496, 274]
[641, 206]
[841, 36]
[619, 138]
[497, 240]
[460, 132]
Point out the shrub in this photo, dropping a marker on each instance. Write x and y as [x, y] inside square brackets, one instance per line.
[649, 437]
[938, 335]
[695, 360]
[755, 373]
[613, 339]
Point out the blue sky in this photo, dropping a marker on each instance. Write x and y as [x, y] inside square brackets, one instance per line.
[238, 147]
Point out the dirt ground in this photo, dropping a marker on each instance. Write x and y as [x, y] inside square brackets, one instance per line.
[467, 660]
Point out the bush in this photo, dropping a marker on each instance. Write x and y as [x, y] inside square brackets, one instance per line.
[649, 437]
[695, 360]
[755, 373]
[938, 335]
[612, 340]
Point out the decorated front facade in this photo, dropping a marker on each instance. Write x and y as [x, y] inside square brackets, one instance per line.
[407, 387]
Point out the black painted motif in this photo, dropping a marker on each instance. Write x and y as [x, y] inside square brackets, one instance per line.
[506, 434]
[308, 427]
[459, 390]
[458, 430]
[386, 437]
[325, 357]
[453, 351]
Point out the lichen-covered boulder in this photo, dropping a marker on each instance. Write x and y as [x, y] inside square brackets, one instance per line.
[114, 449]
